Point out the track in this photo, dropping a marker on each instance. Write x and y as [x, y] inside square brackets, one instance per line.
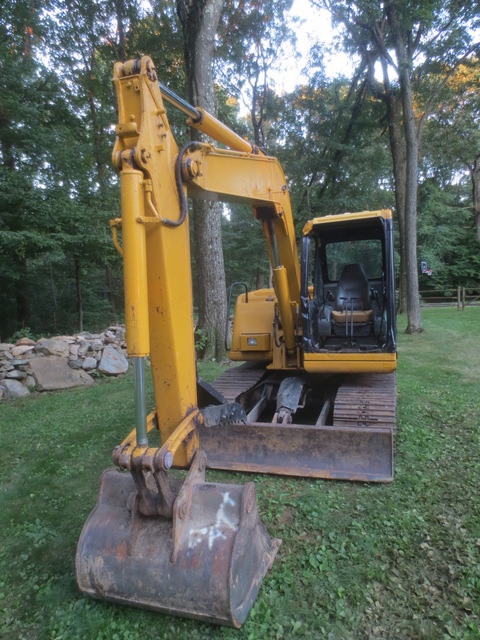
[237, 380]
[366, 401]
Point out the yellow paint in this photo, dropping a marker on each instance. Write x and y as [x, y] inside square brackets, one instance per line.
[340, 217]
[255, 342]
[134, 264]
[158, 290]
[350, 362]
[281, 288]
[253, 317]
[163, 273]
[212, 127]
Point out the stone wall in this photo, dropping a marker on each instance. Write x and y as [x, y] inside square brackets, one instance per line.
[61, 362]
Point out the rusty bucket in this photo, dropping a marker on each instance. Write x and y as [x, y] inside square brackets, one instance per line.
[207, 562]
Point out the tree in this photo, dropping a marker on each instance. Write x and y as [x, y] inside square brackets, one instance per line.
[329, 129]
[452, 137]
[29, 106]
[409, 40]
[95, 36]
[199, 22]
[254, 38]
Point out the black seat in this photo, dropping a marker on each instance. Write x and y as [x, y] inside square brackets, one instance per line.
[353, 313]
[352, 289]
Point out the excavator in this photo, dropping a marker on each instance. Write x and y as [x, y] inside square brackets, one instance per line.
[314, 395]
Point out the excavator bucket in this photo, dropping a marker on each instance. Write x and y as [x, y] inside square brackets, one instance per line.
[206, 562]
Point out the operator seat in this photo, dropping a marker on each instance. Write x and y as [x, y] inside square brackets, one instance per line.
[353, 313]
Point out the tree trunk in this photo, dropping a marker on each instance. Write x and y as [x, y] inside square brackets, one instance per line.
[475, 178]
[23, 302]
[199, 21]
[54, 297]
[19, 264]
[397, 146]
[120, 10]
[414, 320]
[110, 288]
[79, 293]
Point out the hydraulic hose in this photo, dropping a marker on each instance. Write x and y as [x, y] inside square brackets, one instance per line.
[179, 184]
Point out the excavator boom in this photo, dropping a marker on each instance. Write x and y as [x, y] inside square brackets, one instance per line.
[191, 547]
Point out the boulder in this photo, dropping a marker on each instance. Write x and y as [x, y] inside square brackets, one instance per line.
[53, 347]
[16, 375]
[21, 350]
[74, 351]
[89, 363]
[112, 362]
[119, 332]
[13, 389]
[19, 363]
[109, 337]
[53, 373]
[83, 348]
[26, 342]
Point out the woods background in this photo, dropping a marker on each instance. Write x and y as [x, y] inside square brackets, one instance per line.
[405, 117]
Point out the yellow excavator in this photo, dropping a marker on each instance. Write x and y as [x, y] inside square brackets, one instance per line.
[314, 395]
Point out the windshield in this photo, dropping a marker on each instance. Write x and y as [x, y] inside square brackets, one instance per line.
[366, 252]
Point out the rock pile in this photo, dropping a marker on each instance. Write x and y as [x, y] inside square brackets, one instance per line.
[61, 362]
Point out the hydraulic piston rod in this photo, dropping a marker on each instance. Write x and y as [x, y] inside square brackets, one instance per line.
[140, 406]
[206, 123]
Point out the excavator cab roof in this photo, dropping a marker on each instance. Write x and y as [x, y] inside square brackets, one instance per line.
[317, 225]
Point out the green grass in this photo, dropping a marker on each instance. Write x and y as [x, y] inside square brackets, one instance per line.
[357, 561]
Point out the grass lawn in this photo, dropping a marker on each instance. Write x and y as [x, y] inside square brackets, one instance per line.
[357, 561]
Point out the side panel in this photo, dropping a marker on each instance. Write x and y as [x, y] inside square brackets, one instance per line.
[252, 337]
[350, 362]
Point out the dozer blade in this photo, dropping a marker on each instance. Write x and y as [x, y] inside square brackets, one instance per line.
[208, 562]
[342, 453]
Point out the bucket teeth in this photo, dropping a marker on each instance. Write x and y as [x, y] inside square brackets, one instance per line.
[223, 415]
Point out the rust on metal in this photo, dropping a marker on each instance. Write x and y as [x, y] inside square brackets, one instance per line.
[348, 453]
[358, 446]
[206, 562]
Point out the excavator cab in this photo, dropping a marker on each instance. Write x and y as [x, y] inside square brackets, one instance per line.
[348, 297]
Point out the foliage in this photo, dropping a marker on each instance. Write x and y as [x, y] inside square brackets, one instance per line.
[446, 237]
[412, 43]
[58, 268]
[332, 149]
[245, 249]
[356, 561]
[253, 39]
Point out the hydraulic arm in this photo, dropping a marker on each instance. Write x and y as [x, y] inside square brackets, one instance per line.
[193, 548]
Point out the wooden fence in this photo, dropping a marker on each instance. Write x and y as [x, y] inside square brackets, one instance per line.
[462, 297]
